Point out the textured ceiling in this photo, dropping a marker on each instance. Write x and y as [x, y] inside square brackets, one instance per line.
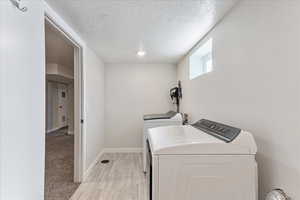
[58, 49]
[165, 29]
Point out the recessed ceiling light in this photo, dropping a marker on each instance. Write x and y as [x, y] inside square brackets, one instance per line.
[141, 53]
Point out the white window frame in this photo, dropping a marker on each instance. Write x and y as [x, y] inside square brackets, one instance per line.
[200, 59]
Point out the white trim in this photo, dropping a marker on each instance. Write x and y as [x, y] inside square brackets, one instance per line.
[54, 129]
[61, 24]
[122, 150]
[92, 165]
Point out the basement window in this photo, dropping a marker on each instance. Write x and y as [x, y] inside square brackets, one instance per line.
[201, 61]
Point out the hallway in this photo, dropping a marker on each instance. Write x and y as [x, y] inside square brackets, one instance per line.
[59, 183]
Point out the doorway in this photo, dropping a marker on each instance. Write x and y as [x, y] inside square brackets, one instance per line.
[64, 163]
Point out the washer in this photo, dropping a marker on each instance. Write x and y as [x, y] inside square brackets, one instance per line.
[157, 120]
[206, 160]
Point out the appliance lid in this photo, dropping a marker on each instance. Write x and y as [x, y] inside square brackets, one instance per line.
[167, 115]
[188, 140]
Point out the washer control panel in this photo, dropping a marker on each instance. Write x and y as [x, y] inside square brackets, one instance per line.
[218, 130]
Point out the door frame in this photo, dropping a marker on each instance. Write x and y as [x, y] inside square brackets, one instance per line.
[79, 145]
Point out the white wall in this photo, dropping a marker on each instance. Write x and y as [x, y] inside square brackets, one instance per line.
[132, 90]
[255, 86]
[94, 106]
[22, 107]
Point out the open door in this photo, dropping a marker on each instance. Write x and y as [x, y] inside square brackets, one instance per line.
[78, 102]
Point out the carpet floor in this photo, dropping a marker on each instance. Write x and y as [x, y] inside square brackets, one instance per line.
[59, 166]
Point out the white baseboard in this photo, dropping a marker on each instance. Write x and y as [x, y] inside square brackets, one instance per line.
[55, 129]
[89, 169]
[52, 130]
[70, 132]
[122, 150]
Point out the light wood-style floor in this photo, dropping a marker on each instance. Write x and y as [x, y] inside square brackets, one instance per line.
[121, 179]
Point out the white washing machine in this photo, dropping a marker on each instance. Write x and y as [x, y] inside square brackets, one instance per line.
[206, 160]
[157, 120]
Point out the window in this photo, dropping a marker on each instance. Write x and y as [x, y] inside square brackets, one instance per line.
[201, 60]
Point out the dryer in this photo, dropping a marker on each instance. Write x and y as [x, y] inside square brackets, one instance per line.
[206, 160]
[157, 120]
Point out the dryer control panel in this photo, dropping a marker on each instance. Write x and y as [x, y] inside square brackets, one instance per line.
[218, 130]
